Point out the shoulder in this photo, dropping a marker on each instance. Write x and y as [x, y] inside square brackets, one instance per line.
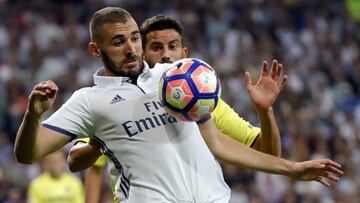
[81, 96]
[85, 91]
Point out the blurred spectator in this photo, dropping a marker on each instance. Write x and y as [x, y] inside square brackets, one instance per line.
[55, 184]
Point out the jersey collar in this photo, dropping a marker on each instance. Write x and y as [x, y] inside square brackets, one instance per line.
[103, 81]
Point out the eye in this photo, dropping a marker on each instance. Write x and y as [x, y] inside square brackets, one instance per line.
[118, 43]
[156, 47]
[135, 38]
[174, 46]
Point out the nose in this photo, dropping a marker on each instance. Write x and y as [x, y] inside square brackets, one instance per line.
[165, 57]
[129, 47]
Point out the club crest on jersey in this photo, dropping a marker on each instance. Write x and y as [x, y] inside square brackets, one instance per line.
[117, 99]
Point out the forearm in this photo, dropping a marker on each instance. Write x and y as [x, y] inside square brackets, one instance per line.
[241, 155]
[83, 156]
[93, 184]
[269, 142]
[226, 149]
[25, 142]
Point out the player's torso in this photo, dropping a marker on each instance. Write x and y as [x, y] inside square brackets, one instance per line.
[154, 154]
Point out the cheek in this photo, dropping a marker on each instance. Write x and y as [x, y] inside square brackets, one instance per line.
[114, 52]
[152, 56]
[139, 48]
[176, 55]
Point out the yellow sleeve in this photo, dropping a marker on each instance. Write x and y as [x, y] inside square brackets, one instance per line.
[101, 161]
[85, 139]
[231, 124]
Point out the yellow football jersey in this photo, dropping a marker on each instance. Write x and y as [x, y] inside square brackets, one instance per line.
[231, 124]
[66, 189]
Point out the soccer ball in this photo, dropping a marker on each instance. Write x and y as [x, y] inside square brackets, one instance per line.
[190, 90]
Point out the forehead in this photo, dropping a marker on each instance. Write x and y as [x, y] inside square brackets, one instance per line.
[163, 36]
[118, 28]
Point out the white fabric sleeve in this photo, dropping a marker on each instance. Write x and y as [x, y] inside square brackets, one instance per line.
[74, 118]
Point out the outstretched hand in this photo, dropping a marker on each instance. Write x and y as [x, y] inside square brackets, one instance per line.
[42, 97]
[264, 93]
[323, 171]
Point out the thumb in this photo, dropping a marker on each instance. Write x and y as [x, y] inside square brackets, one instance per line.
[248, 80]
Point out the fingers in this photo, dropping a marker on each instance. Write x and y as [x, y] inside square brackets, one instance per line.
[334, 170]
[326, 178]
[283, 82]
[278, 71]
[328, 175]
[50, 85]
[264, 69]
[330, 172]
[48, 88]
[38, 93]
[44, 89]
[274, 69]
[331, 167]
[331, 163]
[248, 80]
[323, 181]
[275, 73]
[332, 176]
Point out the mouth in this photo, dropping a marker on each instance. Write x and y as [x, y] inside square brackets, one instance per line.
[167, 61]
[131, 63]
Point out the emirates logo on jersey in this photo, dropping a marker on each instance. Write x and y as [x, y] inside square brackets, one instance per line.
[152, 121]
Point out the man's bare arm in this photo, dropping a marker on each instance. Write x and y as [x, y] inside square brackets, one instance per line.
[226, 149]
[34, 141]
[82, 156]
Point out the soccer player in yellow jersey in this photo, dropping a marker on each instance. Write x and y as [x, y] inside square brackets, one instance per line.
[56, 185]
[163, 43]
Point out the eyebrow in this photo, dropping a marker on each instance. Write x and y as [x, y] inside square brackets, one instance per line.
[172, 41]
[122, 35]
[175, 40]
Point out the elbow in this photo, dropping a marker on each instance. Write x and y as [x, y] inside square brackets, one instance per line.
[277, 153]
[73, 168]
[215, 150]
[72, 159]
[24, 158]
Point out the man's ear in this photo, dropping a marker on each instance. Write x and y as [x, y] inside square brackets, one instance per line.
[94, 49]
[185, 52]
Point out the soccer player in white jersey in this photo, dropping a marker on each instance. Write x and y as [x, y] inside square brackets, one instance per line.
[163, 43]
[158, 158]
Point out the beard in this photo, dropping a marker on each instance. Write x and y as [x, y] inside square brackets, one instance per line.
[117, 69]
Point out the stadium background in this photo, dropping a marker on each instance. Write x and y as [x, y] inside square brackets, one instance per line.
[317, 41]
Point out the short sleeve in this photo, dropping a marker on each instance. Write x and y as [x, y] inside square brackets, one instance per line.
[231, 124]
[73, 118]
[101, 161]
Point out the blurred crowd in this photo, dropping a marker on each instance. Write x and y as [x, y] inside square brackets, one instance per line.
[318, 112]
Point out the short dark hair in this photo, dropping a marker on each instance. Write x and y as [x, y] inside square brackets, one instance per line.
[106, 15]
[160, 22]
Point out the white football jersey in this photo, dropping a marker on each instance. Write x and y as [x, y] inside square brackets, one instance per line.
[155, 157]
